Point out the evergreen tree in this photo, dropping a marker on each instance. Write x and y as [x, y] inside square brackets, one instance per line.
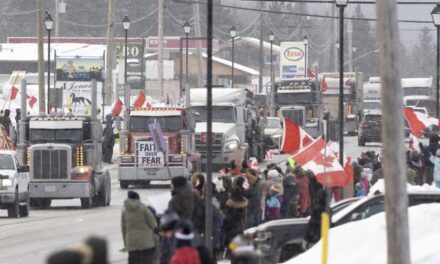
[422, 63]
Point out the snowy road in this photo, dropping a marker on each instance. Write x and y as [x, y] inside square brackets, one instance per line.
[30, 240]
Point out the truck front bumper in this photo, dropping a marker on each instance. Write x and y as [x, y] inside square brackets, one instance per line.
[59, 190]
[127, 173]
[219, 159]
[6, 197]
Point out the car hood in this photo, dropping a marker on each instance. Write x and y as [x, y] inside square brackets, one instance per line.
[271, 131]
[225, 128]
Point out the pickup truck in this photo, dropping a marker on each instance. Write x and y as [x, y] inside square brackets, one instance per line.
[14, 184]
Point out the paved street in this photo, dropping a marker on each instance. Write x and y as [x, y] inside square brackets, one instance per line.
[30, 240]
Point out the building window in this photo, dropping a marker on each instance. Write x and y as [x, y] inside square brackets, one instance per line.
[275, 59]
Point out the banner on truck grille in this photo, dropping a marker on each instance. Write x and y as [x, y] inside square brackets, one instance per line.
[293, 60]
[148, 155]
[77, 96]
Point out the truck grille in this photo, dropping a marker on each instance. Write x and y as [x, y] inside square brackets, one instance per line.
[201, 145]
[50, 163]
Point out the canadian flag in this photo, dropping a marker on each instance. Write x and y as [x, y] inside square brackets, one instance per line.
[413, 143]
[324, 86]
[140, 100]
[117, 108]
[418, 121]
[323, 161]
[32, 100]
[295, 138]
[311, 72]
[14, 92]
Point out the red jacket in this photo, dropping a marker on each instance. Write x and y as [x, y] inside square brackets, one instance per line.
[185, 255]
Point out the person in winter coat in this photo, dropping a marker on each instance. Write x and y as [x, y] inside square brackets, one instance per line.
[290, 195]
[138, 226]
[377, 172]
[273, 203]
[181, 198]
[363, 186]
[415, 164]
[254, 195]
[313, 233]
[427, 152]
[314, 185]
[108, 140]
[436, 161]
[235, 211]
[5, 121]
[185, 253]
[304, 200]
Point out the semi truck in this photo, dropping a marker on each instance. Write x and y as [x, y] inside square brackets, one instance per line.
[64, 153]
[142, 162]
[236, 124]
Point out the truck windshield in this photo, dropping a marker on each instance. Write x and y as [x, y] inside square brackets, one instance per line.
[416, 91]
[294, 98]
[371, 105]
[6, 162]
[167, 123]
[56, 135]
[221, 114]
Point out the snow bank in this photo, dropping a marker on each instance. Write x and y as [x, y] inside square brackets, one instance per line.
[379, 186]
[365, 241]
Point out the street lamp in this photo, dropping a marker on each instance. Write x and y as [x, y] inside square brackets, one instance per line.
[233, 33]
[306, 42]
[126, 25]
[48, 23]
[187, 29]
[341, 4]
[436, 19]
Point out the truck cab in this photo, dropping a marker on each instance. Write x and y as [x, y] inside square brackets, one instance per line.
[64, 155]
[142, 162]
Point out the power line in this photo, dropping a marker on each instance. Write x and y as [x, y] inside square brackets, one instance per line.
[349, 2]
[300, 14]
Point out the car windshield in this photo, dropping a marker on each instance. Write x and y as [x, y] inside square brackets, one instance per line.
[373, 118]
[273, 123]
[56, 135]
[167, 123]
[6, 162]
[221, 114]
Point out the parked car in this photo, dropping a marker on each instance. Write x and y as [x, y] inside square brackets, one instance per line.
[14, 184]
[273, 133]
[280, 240]
[370, 127]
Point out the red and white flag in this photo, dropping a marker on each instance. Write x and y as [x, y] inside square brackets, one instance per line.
[32, 100]
[117, 108]
[269, 155]
[324, 86]
[413, 143]
[311, 72]
[140, 100]
[418, 121]
[309, 152]
[295, 138]
[14, 92]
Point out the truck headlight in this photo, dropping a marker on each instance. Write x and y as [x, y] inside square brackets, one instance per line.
[127, 159]
[351, 116]
[7, 182]
[231, 145]
[276, 135]
[81, 173]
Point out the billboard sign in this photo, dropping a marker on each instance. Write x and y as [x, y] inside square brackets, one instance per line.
[292, 61]
[79, 68]
[134, 51]
[77, 96]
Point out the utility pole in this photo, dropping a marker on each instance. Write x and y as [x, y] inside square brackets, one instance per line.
[261, 69]
[396, 198]
[57, 19]
[109, 60]
[350, 45]
[41, 88]
[160, 49]
[198, 34]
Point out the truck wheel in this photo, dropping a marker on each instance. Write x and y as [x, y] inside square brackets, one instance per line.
[36, 203]
[46, 203]
[24, 209]
[86, 203]
[14, 208]
[123, 184]
[361, 142]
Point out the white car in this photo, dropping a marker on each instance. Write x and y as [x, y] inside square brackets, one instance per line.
[273, 132]
[14, 184]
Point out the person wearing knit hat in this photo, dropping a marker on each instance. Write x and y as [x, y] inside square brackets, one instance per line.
[273, 203]
[138, 224]
[185, 252]
[181, 197]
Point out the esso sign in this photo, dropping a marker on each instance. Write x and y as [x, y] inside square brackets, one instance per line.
[294, 54]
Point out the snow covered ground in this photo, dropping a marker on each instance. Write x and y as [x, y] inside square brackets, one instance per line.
[365, 241]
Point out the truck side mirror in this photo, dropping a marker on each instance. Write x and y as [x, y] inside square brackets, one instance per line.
[23, 168]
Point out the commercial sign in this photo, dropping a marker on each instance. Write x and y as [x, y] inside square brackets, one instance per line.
[148, 155]
[77, 96]
[293, 60]
[79, 68]
[134, 51]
